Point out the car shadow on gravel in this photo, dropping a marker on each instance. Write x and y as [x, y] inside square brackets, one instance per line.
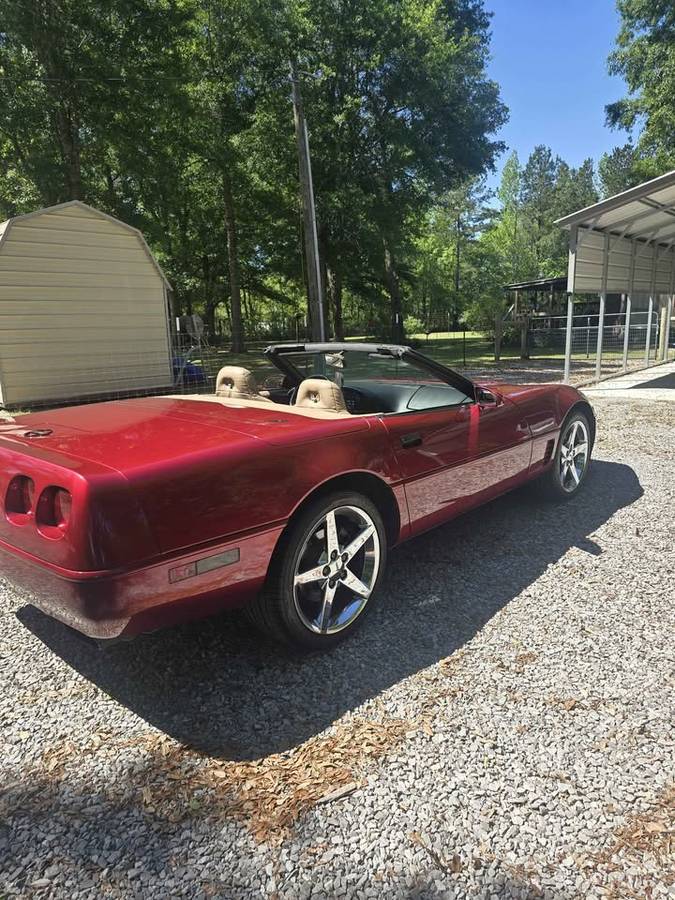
[218, 687]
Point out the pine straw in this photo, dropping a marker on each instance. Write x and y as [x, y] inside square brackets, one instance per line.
[652, 832]
[648, 836]
[268, 795]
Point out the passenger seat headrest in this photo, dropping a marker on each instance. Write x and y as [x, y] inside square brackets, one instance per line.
[317, 393]
[236, 382]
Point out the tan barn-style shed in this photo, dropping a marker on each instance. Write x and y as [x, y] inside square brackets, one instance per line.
[83, 308]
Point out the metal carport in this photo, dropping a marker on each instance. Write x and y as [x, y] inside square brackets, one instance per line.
[625, 244]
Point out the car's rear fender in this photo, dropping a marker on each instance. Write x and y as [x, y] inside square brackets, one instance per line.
[106, 528]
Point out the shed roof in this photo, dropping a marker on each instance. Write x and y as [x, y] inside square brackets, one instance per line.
[5, 228]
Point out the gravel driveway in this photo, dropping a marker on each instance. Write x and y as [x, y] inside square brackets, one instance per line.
[502, 727]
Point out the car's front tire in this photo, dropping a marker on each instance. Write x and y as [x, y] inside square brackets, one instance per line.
[325, 574]
[565, 477]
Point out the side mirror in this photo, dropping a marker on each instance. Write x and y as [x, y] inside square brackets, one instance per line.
[487, 398]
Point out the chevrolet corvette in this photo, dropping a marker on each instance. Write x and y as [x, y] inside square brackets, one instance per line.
[281, 496]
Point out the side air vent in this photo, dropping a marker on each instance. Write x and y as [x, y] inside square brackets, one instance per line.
[548, 453]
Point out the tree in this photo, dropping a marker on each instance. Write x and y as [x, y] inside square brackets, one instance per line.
[399, 111]
[445, 254]
[504, 252]
[574, 189]
[75, 84]
[617, 171]
[521, 240]
[508, 237]
[176, 117]
[539, 196]
[645, 58]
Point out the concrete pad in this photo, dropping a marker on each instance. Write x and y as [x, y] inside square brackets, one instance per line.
[656, 384]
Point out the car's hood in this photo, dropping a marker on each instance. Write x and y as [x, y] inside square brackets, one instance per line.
[127, 434]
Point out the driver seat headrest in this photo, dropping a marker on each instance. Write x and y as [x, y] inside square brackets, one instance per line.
[237, 383]
[318, 393]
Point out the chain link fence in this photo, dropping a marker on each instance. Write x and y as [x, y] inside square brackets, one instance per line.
[601, 346]
[190, 364]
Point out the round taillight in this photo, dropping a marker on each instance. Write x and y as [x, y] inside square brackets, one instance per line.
[20, 495]
[63, 503]
[54, 507]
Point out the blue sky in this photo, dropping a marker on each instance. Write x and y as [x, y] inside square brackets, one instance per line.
[550, 60]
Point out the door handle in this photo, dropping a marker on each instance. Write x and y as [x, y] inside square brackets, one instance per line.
[411, 440]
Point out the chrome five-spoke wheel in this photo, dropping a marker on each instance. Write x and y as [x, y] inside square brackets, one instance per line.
[574, 454]
[325, 573]
[336, 570]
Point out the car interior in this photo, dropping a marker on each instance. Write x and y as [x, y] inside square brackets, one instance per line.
[320, 395]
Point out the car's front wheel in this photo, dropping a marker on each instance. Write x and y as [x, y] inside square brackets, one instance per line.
[325, 573]
[572, 458]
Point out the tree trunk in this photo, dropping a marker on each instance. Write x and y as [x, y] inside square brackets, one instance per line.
[524, 328]
[325, 302]
[394, 288]
[210, 298]
[210, 317]
[499, 326]
[455, 305]
[334, 279]
[233, 266]
[68, 132]
[65, 98]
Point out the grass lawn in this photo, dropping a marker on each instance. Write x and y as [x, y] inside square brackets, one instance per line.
[454, 349]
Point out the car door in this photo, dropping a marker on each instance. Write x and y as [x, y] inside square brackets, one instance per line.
[454, 457]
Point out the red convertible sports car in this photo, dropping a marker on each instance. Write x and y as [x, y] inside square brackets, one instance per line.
[124, 516]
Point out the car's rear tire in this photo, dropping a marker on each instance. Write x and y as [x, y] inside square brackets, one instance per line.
[325, 573]
[564, 479]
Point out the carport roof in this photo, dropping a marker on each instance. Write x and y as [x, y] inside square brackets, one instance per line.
[625, 244]
[645, 212]
[557, 283]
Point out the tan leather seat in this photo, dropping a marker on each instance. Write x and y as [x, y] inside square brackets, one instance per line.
[317, 393]
[237, 383]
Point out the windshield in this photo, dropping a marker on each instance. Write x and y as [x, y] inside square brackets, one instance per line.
[347, 366]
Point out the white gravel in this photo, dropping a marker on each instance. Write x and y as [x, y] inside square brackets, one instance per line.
[505, 720]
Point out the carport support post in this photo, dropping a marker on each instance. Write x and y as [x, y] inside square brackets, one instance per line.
[601, 314]
[626, 332]
[669, 315]
[568, 338]
[601, 329]
[648, 338]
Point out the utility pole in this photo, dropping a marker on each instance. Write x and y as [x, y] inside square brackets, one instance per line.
[316, 318]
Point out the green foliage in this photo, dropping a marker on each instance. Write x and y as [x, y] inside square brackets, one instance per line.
[645, 58]
[618, 170]
[413, 325]
[446, 273]
[522, 241]
[175, 115]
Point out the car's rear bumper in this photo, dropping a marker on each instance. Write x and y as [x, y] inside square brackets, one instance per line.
[107, 605]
